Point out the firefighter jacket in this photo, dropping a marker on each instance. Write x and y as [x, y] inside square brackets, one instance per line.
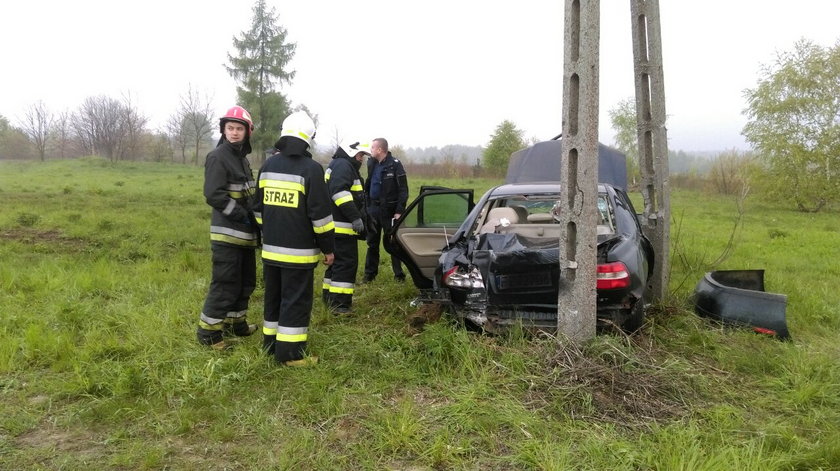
[294, 208]
[230, 190]
[393, 195]
[347, 193]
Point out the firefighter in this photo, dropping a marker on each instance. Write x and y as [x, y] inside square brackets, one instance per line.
[386, 192]
[229, 189]
[294, 209]
[348, 210]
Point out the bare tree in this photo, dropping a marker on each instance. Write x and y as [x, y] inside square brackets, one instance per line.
[109, 127]
[133, 124]
[36, 124]
[177, 138]
[97, 125]
[61, 132]
[196, 121]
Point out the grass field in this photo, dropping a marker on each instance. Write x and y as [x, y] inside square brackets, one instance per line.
[103, 271]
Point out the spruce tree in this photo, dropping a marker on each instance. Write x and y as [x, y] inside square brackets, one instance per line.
[260, 67]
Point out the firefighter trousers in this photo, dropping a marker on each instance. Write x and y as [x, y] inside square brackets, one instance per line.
[234, 279]
[288, 309]
[340, 277]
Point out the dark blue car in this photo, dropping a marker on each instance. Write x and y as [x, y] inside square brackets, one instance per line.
[496, 263]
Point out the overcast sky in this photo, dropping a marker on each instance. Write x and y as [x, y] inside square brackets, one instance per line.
[427, 73]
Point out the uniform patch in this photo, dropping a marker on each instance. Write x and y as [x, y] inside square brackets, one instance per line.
[276, 197]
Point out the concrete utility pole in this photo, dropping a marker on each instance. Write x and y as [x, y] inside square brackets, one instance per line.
[653, 142]
[579, 171]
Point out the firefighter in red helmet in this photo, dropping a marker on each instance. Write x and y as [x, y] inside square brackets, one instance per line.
[229, 188]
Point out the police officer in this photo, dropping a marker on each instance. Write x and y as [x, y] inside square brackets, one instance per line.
[386, 191]
[294, 208]
[347, 192]
[229, 189]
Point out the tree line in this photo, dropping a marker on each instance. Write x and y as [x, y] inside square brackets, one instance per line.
[116, 129]
[793, 124]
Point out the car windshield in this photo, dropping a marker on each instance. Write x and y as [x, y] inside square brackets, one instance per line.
[536, 216]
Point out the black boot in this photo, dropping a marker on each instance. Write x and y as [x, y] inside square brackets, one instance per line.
[239, 328]
[211, 338]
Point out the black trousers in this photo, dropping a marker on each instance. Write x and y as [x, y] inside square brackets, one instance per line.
[288, 309]
[340, 277]
[233, 282]
[381, 221]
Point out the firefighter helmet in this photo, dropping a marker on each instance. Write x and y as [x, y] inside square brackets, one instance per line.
[299, 125]
[352, 148]
[240, 115]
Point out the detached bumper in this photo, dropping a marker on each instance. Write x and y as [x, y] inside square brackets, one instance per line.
[738, 297]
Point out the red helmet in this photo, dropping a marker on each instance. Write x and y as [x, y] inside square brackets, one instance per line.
[238, 114]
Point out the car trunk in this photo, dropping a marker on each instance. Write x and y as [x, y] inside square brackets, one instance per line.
[518, 269]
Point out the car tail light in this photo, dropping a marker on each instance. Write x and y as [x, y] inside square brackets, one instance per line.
[612, 276]
[458, 277]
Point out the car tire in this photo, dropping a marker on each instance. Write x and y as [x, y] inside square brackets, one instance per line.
[636, 318]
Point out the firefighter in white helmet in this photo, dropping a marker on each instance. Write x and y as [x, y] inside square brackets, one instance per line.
[294, 209]
[234, 235]
[348, 196]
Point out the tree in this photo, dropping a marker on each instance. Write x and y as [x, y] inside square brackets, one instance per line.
[178, 140]
[730, 173]
[133, 127]
[13, 142]
[61, 132]
[36, 124]
[794, 124]
[110, 127]
[624, 123]
[193, 121]
[506, 140]
[260, 67]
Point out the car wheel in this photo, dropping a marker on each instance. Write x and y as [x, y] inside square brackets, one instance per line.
[636, 318]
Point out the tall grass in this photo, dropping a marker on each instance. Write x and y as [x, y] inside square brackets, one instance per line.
[104, 266]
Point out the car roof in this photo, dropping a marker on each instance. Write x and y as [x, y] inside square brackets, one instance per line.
[514, 189]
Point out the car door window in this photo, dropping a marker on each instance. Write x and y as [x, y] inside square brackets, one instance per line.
[438, 211]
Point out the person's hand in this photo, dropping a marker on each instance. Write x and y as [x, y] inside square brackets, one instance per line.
[329, 259]
[358, 226]
[397, 216]
[240, 215]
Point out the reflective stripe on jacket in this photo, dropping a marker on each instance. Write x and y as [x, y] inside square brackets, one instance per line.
[347, 193]
[229, 188]
[294, 210]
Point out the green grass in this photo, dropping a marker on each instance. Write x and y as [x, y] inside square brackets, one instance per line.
[104, 267]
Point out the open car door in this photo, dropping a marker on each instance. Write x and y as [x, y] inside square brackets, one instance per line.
[423, 231]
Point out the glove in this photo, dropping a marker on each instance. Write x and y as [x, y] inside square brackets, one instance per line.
[240, 215]
[359, 226]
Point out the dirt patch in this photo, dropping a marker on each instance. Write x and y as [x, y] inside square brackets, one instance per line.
[426, 314]
[50, 239]
[80, 443]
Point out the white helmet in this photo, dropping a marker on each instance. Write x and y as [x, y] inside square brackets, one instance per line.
[299, 125]
[354, 147]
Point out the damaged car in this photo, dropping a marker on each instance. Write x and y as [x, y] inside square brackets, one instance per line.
[496, 263]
